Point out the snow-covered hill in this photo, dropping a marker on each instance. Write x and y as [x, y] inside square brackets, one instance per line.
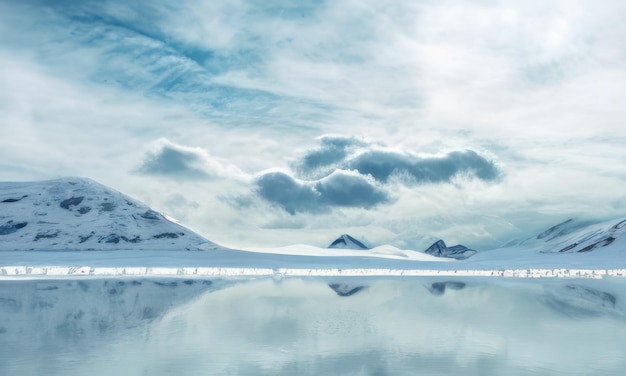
[577, 236]
[80, 214]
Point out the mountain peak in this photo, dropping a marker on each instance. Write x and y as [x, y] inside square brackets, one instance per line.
[440, 249]
[579, 236]
[346, 241]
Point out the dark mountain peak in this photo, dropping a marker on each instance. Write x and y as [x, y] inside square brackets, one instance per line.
[346, 241]
[459, 252]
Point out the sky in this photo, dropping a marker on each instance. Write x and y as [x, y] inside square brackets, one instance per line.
[269, 123]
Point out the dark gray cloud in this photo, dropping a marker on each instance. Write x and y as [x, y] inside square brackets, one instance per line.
[381, 165]
[349, 153]
[340, 189]
[349, 172]
[175, 161]
[332, 150]
[348, 189]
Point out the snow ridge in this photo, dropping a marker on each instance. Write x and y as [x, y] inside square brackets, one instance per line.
[576, 236]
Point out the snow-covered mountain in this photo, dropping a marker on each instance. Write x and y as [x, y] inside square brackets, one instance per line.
[440, 249]
[80, 214]
[577, 236]
[346, 241]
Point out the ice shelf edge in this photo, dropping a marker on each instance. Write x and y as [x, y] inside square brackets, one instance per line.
[7, 272]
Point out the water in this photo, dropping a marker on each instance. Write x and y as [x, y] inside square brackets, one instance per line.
[303, 327]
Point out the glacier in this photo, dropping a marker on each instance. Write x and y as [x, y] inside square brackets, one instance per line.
[93, 281]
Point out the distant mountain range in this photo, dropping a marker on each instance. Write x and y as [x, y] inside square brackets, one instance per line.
[438, 249]
[80, 214]
[571, 236]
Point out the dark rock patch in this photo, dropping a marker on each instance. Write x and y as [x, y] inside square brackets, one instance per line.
[601, 243]
[168, 235]
[84, 238]
[619, 225]
[607, 241]
[115, 239]
[73, 201]
[10, 227]
[10, 200]
[111, 239]
[135, 239]
[47, 235]
[107, 207]
[189, 282]
[588, 248]
[84, 209]
[571, 246]
[151, 215]
[555, 230]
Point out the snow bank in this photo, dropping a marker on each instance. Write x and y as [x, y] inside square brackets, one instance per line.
[7, 272]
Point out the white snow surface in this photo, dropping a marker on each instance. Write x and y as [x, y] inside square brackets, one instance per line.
[383, 251]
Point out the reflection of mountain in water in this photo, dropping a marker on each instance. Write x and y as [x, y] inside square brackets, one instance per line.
[104, 327]
[39, 316]
[391, 328]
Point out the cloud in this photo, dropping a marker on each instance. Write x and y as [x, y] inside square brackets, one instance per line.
[332, 151]
[350, 153]
[382, 165]
[349, 172]
[182, 162]
[340, 189]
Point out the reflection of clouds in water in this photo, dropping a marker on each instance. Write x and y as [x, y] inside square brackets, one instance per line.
[391, 328]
